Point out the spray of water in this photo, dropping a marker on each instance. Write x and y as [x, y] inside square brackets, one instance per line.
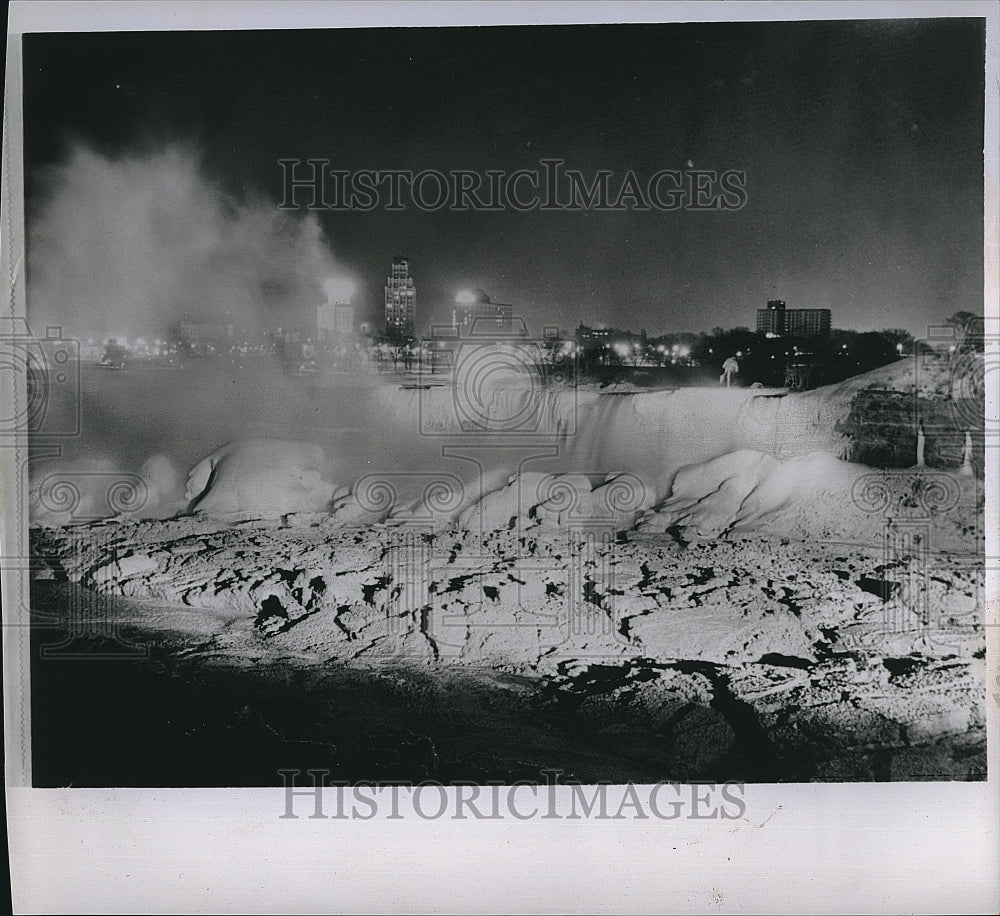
[133, 245]
[130, 247]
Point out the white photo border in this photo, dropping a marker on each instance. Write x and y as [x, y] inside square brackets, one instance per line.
[823, 848]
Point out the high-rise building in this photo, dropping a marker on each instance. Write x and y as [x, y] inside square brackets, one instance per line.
[335, 321]
[400, 299]
[478, 315]
[343, 320]
[778, 321]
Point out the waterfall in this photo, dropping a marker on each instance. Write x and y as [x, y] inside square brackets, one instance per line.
[649, 433]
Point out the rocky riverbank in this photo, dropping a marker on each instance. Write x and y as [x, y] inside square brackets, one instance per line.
[678, 648]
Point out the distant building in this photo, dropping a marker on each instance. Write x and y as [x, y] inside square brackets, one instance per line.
[343, 320]
[482, 316]
[400, 299]
[585, 334]
[778, 321]
[334, 321]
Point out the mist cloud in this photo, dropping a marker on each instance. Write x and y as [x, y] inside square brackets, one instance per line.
[130, 246]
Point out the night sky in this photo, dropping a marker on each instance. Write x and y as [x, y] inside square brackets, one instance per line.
[861, 143]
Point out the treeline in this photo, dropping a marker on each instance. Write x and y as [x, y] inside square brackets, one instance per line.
[770, 361]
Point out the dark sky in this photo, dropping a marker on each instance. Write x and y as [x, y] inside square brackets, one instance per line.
[861, 143]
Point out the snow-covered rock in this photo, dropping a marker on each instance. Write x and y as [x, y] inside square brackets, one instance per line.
[264, 478]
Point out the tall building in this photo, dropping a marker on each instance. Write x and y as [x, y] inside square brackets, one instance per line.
[476, 314]
[343, 320]
[400, 299]
[335, 321]
[777, 321]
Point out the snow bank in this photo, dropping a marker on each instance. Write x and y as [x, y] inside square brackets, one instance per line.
[263, 478]
[707, 497]
[815, 496]
[565, 501]
[807, 496]
[86, 489]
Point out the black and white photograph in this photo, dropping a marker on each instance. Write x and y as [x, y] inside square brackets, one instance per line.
[575, 407]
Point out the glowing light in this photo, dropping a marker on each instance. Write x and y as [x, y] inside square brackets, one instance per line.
[465, 297]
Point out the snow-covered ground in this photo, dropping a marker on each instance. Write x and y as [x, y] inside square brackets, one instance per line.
[698, 565]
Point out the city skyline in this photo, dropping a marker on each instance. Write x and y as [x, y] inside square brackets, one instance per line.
[861, 144]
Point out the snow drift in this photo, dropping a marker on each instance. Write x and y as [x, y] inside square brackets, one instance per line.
[407, 454]
[264, 478]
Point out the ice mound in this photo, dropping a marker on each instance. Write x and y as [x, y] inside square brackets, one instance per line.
[564, 501]
[445, 498]
[73, 492]
[80, 491]
[746, 490]
[707, 497]
[164, 485]
[262, 478]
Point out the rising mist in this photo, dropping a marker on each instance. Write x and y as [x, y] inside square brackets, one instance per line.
[130, 246]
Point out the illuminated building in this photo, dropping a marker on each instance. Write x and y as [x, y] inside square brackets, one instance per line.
[400, 299]
[778, 321]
